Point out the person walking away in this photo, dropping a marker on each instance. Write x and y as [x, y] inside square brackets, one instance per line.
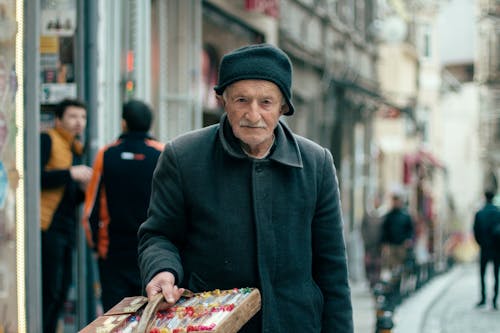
[370, 231]
[63, 179]
[117, 200]
[247, 202]
[397, 236]
[485, 227]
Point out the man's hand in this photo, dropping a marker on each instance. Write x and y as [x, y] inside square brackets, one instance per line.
[81, 173]
[164, 282]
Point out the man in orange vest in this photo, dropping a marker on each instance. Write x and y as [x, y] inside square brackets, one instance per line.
[63, 180]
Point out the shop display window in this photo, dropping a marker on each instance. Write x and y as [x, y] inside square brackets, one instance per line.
[57, 45]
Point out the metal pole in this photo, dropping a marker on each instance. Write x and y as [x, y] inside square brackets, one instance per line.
[91, 54]
[87, 90]
[81, 267]
[33, 265]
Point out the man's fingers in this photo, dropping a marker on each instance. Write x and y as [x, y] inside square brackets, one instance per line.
[164, 283]
[169, 295]
[155, 287]
[173, 294]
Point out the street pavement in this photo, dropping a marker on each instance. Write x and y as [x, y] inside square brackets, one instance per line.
[455, 310]
[445, 304]
[363, 305]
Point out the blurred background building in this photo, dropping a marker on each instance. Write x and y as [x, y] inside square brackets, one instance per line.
[487, 75]
[405, 93]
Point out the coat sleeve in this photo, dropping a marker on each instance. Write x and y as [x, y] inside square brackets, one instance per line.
[476, 229]
[330, 259]
[162, 234]
[92, 207]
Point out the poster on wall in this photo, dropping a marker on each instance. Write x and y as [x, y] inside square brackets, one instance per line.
[8, 89]
[8, 172]
[58, 18]
[58, 22]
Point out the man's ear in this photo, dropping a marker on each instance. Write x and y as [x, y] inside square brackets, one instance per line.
[220, 100]
[284, 109]
[124, 125]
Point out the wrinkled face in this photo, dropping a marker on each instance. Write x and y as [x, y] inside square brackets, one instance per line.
[253, 109]
[74, 120]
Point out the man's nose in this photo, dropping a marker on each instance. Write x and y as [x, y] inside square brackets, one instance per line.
[81, 123]
[253, 114]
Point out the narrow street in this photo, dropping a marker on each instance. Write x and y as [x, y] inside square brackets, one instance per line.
[447, 305]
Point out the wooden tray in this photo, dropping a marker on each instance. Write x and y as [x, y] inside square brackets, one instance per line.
[214, 311]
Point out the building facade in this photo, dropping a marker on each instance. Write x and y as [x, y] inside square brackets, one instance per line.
[488, 76]
[331, 45]
[336, 94]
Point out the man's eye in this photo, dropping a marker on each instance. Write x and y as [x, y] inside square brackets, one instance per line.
[241, 100]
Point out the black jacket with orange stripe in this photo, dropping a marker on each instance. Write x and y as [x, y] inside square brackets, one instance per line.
[118, 194]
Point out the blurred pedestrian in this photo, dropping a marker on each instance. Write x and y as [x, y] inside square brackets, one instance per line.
[370, 231]
[117, 200]
[397, 235]
[63, 179]
[486, 222]
[246, 202]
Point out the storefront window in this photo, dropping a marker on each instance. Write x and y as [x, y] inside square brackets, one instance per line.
[57, 61]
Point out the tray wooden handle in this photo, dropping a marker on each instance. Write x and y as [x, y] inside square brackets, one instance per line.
[149, 313]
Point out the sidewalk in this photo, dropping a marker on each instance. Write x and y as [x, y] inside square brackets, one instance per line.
[409, 315]
[363, 305]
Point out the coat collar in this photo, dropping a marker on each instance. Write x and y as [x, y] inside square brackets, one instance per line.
[135, 135]
[285, 151]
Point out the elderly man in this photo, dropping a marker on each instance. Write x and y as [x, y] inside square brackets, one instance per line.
[247, 203]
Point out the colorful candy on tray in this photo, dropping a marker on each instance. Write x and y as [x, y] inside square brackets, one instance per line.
[211, 311]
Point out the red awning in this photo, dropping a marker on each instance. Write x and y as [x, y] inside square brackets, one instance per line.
[421, 157]
[266, 7]
[424, 156]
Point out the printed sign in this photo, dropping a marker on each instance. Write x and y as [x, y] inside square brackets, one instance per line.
[52, 93]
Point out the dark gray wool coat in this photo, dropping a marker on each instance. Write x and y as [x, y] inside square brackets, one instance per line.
[219, 219]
